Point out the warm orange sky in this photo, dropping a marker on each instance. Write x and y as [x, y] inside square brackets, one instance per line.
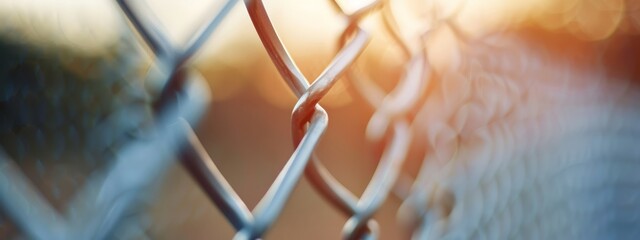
[309, 30]
[601, 16]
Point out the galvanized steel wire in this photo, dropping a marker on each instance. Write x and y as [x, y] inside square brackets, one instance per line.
[109, 194]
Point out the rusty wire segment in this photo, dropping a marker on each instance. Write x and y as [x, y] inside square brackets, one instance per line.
[108, 195]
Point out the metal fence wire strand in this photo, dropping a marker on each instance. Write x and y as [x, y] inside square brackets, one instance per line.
[108, 195]
[102, 203]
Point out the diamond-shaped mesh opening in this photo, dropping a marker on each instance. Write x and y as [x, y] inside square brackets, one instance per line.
[472, 121]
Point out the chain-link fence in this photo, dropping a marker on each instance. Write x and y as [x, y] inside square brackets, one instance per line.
[111, 193]
[106, 198]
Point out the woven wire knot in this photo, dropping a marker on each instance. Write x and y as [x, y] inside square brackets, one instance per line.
[108, 195]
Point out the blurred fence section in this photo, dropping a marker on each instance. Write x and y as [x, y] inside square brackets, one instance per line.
[102, 204]
[396, 114]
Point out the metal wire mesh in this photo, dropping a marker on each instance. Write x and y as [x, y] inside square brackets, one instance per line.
[105, 199]
[110, 194]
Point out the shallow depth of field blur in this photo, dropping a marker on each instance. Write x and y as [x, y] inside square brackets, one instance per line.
[247, 128]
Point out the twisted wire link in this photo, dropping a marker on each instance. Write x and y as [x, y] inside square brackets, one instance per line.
[391, 110]
[253, 224]
[308, 95]
[108, 195]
